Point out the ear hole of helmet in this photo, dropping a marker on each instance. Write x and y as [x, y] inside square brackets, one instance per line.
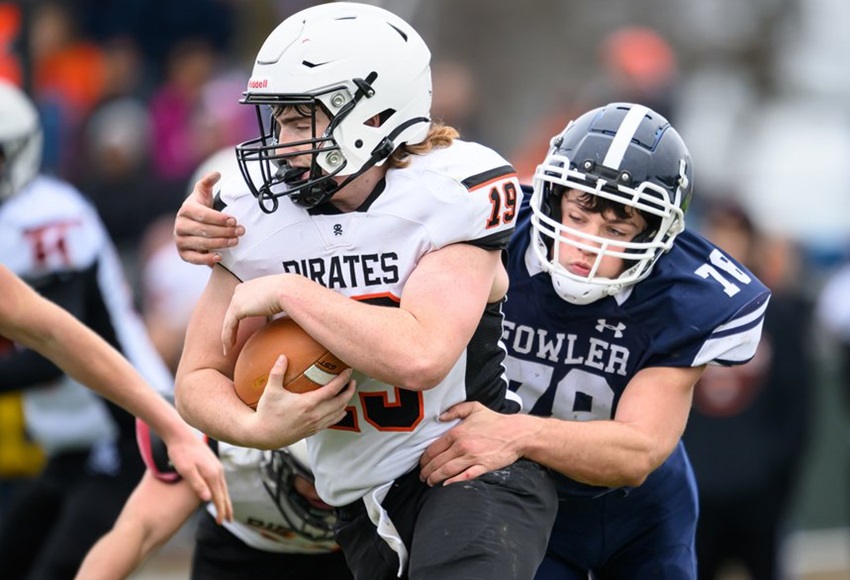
[375, 122]
[383, 116]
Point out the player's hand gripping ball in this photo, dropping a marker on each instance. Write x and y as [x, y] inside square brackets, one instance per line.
[309, 364]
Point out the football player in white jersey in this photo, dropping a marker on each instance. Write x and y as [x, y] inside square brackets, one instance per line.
[51, 238]
[280, 528]
[383, 236]
[614, 311]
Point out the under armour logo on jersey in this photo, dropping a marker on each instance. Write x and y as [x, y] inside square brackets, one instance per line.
[337, 229]
[602, 325]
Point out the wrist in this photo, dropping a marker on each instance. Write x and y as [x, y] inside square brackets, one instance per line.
[169, 425]
[291, 290]
[255, 433]
[529, 435]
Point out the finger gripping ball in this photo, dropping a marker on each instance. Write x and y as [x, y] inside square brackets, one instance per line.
[310, 365]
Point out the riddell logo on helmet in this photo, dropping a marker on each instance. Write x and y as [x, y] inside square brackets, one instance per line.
[258, 84]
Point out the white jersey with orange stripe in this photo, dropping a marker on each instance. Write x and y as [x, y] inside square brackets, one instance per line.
[464, 193]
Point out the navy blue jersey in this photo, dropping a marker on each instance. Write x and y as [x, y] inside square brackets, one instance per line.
[698, 306]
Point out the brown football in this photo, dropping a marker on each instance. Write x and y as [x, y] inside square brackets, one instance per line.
[309, 364]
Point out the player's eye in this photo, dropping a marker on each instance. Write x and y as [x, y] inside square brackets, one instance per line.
[576, 218]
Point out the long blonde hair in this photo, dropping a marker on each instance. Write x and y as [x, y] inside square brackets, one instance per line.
[439, 135]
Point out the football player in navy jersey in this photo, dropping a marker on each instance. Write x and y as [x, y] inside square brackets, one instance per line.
[614, 311]
[362, 221]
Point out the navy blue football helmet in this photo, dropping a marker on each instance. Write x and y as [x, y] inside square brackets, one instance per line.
[624, 153]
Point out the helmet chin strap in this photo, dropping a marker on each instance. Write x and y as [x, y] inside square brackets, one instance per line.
[305, 196]
[325, 189]
[319, 193]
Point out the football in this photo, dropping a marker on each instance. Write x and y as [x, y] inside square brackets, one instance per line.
[309, 364]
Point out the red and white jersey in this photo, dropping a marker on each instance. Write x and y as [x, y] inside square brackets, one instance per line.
[462, 193]
[48, 233]
[49, 228]
[257, 518]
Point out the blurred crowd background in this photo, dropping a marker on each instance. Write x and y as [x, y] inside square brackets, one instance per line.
[134, 94]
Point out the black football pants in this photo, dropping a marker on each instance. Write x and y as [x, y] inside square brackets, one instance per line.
[495, 526]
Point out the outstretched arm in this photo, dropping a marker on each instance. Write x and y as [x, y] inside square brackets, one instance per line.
[37, 323]
[152, 515]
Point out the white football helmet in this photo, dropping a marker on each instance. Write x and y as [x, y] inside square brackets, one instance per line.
[278, 469]
[369, 71]
[624, 154]
[20, 140]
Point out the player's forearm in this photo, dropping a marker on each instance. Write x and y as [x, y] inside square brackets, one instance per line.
[90, 360]
[116, 555]
[206, 400]
[31, 321]
[604, 453]
[152, 515]
[399, 351]
[54, 333]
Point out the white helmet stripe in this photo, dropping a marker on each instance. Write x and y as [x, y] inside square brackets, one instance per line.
[624, 135]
